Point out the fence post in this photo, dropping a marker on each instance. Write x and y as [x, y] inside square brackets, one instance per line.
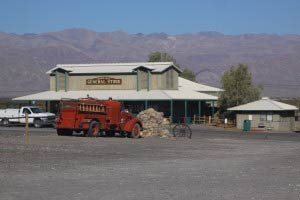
[26, 124]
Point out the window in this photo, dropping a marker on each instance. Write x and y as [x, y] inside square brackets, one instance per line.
[36, 110]
[266, 116]
[250, 117]
[26, 110]
[297, 116]
[269, 116]
[263, 117]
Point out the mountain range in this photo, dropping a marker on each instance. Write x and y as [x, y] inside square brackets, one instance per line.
[274, 60]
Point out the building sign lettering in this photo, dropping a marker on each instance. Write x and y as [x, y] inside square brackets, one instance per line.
[104, 81]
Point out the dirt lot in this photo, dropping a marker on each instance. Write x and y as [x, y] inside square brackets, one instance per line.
[214, 164]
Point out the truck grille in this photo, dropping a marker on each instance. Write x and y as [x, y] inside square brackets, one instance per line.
[51, 118]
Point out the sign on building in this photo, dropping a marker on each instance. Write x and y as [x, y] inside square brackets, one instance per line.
[104, 81]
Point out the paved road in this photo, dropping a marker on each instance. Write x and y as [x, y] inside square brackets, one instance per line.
[214, 164]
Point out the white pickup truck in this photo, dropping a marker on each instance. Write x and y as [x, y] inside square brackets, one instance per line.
[35, 116]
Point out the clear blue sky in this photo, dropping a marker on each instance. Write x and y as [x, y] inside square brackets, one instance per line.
[148, 16]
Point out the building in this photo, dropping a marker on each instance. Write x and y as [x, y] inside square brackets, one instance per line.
[138, 85]
[266, 114]
[184, 84]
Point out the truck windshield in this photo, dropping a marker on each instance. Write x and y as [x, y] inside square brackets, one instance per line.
[35, 110]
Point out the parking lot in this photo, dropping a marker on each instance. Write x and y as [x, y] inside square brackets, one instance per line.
[214, 164]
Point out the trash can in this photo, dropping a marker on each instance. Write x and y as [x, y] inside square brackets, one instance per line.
[247, 125]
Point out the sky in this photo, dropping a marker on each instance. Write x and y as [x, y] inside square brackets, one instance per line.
[232, 17]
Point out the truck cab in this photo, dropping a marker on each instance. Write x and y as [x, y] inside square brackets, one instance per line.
[36, 116]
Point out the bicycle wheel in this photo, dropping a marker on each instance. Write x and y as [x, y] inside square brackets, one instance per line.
[176, 131]
[188, 132]
[181, 130]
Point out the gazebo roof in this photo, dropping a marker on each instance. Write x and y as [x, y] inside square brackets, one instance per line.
[264, 104]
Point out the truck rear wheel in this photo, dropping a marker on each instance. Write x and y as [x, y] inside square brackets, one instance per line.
[64, 132]
[5, 122]
[94, 129]
[136, 131]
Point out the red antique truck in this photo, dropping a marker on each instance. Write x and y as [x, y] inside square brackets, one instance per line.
[96, 117]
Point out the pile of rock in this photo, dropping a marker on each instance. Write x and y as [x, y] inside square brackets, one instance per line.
[154, 123]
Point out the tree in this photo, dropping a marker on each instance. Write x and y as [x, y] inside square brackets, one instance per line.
[160, 57]
[238, 88]
[188, 74]
[165, 57]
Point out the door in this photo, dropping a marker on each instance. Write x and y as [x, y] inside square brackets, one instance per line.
[23, 115]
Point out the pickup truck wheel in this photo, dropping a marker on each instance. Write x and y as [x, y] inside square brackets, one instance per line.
[5, 122]
[85, 133]
[69, 132]
[94, 129]
[110, 133]
[37, 123]
[136, 131]
[60, 132]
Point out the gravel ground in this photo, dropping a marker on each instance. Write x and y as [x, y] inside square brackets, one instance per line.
[214, 164]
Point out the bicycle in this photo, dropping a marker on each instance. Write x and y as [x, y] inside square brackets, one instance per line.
[182, 130]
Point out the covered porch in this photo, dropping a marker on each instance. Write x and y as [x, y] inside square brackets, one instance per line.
[174, 104]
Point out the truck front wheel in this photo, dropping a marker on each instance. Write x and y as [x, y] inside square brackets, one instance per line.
[94, 129]
[136, 131]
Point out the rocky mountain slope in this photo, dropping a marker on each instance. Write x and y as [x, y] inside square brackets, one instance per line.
[274, 60]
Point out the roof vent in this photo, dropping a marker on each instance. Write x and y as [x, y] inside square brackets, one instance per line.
[265, 98]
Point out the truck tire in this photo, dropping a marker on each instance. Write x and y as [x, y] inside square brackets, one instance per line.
[64, 132]
[110, 133]
[37, 123]
[136, 131]
[60, 132]
[94, 129]
[5, 122]
[85, 133]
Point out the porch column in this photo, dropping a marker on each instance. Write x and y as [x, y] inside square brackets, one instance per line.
[46, 105]
[171, 110]
[199, 109]
[185, 109]
[213, 109]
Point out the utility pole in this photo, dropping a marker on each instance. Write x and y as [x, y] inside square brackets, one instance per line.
[26, 125]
